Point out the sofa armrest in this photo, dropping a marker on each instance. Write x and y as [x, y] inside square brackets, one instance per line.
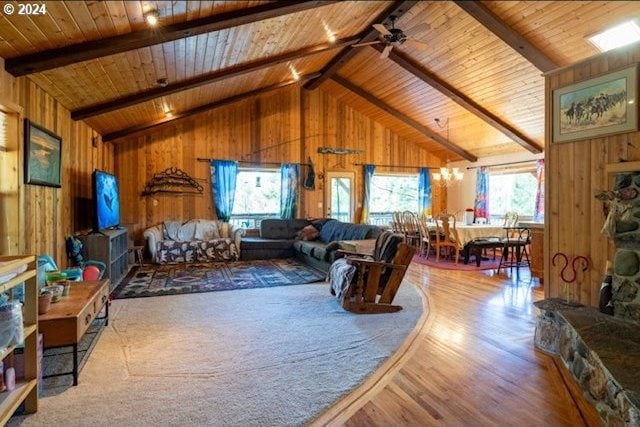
[153, 235]
[237, 234]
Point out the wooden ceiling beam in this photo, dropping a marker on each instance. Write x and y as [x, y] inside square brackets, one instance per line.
[493, 23]
[59, 57]
[227, 73]
[138, 129]
[397, 9]
[461, 99]
[403, 118]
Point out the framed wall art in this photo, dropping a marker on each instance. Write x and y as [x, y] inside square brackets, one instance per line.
[42, 156]
[604, 105]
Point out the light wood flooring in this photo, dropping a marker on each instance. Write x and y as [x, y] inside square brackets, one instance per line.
[474, 362]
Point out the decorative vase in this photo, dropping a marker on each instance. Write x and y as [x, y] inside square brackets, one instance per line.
[468, 217]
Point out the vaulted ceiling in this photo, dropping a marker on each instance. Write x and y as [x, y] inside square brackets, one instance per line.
[476, 66]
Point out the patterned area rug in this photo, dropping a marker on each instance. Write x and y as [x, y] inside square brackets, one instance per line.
[173, 279]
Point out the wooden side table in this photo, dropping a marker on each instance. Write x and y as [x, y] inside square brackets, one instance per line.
[66, 322]
[137, 254]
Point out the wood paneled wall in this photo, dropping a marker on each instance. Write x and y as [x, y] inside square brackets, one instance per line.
[575, 173]
[287, 125]
[46, 215]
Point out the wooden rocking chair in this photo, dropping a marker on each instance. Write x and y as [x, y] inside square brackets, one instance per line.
[377, 283]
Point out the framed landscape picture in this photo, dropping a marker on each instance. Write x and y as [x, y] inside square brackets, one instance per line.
[604, 105]
[43, 152]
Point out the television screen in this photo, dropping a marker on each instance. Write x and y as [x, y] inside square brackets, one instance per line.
[107, 200]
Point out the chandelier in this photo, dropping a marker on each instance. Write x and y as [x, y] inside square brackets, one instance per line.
[448, 176]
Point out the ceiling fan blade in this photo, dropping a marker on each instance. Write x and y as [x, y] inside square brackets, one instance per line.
[416, 44]
[382, 29]
[366, 43]
[386, 51]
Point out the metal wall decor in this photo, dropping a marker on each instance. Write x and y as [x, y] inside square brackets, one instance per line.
[172, 181]
[338, 150]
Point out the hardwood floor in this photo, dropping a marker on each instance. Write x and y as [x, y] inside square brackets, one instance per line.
[474, 362]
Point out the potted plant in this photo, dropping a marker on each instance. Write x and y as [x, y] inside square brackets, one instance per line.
[44, 301]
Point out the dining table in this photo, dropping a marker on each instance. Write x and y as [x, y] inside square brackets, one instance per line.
[470, 232]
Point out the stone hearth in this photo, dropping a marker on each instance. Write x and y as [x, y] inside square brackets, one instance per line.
[601, 351]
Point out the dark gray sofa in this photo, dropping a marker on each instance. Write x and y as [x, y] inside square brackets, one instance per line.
[278, 239]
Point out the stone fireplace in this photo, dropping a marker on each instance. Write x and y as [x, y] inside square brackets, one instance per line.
[626, 236]
[602, 351]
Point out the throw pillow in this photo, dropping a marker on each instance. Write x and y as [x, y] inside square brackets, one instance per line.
[308, 233]
[187, 231]
[171, 230]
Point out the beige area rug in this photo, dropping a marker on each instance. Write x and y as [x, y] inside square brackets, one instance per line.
[252, 357]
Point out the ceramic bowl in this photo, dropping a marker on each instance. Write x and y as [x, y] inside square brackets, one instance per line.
[56, 292]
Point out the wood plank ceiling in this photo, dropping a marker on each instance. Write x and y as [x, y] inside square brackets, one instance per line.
[208, 51]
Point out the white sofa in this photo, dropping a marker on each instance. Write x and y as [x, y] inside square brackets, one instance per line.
[196, 240]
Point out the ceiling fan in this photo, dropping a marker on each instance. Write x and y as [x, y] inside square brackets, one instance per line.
[393, 36]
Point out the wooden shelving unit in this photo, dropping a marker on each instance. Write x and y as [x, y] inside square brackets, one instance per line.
[110, 247]
[27, 388]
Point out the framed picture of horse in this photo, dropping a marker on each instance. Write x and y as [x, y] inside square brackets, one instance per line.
[603, 105]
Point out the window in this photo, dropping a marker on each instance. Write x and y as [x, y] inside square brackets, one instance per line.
[512, 192]
[257, 197]
[391, 193]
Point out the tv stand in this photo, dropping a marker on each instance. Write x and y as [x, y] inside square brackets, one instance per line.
[111, 247]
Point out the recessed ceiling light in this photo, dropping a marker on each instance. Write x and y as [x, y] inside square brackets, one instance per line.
[151, 17]
[620, 35]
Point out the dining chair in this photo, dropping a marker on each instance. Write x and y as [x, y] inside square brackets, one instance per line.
[411, 229]
[396, 224]
[515, 248]
[510, 219]
[447, 235]
[427, 237]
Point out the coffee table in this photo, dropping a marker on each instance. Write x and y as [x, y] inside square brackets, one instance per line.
[66, 322]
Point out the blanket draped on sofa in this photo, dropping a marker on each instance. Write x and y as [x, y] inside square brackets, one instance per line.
[197, 240]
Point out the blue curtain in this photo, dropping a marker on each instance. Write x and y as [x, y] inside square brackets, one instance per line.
[538, 213]
[223, 186]
[481, 205]
[424, 192]
[369, 170]
[289, 177]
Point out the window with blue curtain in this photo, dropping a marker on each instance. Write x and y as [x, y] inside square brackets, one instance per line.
[369, 170]
[290, 176]
[424, 192]
[223, 186]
